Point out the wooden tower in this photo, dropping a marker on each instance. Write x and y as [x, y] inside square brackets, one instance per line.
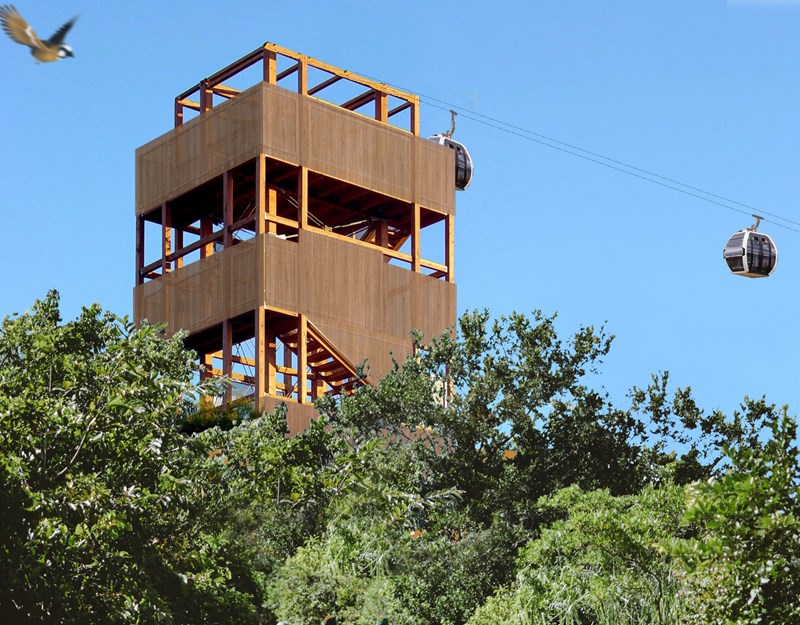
[295, 228]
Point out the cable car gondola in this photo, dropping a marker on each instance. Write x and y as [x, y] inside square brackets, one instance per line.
[463, 159]
[750, 253]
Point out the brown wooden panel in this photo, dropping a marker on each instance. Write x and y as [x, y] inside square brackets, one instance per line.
[153, 171]
[360, 345]
[341, 281]
[148, 302]
[196, 295]
[351, 147]
[281, 127]
[243, 287]
[202, 293]
[300, 130]
[435, 176]
[280, 273]
[366, 307]
[200, 149]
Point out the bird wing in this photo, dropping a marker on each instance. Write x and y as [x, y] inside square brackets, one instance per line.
[17, 28]
[58, 37]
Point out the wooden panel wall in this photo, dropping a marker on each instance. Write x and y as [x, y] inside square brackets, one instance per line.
[281, 124]
[199, 150]
[364, 306]
[434, 164]
[360, 150]
[203, 293]
[300, 130]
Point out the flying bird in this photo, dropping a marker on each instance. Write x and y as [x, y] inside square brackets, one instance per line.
[20, 31]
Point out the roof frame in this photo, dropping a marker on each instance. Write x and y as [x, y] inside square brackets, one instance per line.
[200, 97]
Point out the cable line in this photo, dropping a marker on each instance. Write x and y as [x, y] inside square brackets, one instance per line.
[633, 173]
[614, 164]
[605, 161]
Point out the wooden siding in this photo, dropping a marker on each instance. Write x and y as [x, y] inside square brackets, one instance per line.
[300, 130]
[364, 306]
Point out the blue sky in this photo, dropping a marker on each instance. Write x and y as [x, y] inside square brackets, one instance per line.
[701, 91]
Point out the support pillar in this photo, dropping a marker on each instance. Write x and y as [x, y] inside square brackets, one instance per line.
[302, 198]
[415, 238]
[302, 358]
[166, 238]
[227, 355]
[139, 249]
[450, 246]
[227, 209]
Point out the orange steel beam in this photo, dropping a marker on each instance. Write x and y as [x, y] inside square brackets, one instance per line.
[324, 85]
[381, 107]
[267, 54]
[166, 237]
[287, 72]
[360, 100]
[400, 108]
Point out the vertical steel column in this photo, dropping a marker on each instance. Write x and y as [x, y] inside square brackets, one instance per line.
[381, 107]
[227, 209]
[270, 68]
[450, 246]
[166, 237]
[140, 256]
[302, 359]
[302, 198]
[415, 237]
[272, 364]
[260, 312]
[206, 97]
[415, 116]
[382, 234]
[178, 113]
[178, 246]
[302, 75]
[227, 355]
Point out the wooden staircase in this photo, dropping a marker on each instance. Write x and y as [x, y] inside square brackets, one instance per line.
[329, 370]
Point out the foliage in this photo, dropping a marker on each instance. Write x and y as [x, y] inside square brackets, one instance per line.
[501, 413]
[350, 569]
[104, 507]
[743, 567]
[520, 421]
[443, 576]
[276, 489]
[313, 583]
[600, 564]
[120, 501]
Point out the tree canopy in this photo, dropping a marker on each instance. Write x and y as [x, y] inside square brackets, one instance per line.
[483, 480]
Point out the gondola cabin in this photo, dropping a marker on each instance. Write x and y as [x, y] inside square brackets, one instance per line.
[463, 159]
[750, 253]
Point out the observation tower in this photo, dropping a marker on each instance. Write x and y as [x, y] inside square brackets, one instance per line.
[295, 224]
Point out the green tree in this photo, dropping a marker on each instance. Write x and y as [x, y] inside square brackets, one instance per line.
[502, 412]
[743, 567]
[106, 511]
[600, 564]
[350, 569]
